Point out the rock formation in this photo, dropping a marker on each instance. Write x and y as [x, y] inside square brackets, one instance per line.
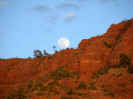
[100, 68]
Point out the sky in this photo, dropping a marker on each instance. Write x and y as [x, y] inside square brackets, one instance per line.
[27, 25]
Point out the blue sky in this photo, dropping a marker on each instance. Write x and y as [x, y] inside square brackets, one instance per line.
[26, 25]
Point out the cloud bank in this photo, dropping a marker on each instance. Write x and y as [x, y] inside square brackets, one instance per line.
[68, 6]
[70, 17]
[42, 8]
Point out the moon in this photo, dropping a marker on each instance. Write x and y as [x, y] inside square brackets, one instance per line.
[63, 43]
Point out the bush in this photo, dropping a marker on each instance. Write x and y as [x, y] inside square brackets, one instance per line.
[40, 94]
[60, 73]
[37, 53]
[21, 96]
[75, 74]
[66, 97]
[107, 92]
[130, 69]
[30, 84]
[131, 80]
[94, 75]
[17, 94]
[70, 92]
[92, 86]
[107, 44]
[103, 70]
[45, 53]
[39, 83]
[10, 97]
[118, 36]
[82, 85]
[124, 60]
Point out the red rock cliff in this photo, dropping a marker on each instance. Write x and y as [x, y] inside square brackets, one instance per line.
[100, 68]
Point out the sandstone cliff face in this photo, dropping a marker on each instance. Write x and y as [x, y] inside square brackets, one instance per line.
[106, 49]
[100, 68]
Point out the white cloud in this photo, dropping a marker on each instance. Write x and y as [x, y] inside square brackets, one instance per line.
[68, 6]
[70, 17]
[43, 8]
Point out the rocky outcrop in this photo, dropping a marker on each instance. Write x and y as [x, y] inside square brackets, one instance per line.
[100, 68]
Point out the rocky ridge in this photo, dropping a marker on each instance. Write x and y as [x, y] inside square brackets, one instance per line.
[100, 68]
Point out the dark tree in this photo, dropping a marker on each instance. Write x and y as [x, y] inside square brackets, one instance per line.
[45, 53]
[54, 48]
[37, 53]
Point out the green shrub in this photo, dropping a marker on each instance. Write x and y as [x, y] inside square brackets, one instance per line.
[30, 84]
[40, 94]
[82, 85]
[51, 87]
[92, 86]
[60, 73]
[70, 92]
[107, 92]
[107, 44]
[50, 57]
[10, 97]
[95, 75]
[124, 59]
[119, 75]
[118, 36]
[130, 69]
[20, 90]
[39, 83]
[10, 68]
[19, 94]
[75, 74]
[131, 80]
[42, 88]
[66, 97]
[103, 70]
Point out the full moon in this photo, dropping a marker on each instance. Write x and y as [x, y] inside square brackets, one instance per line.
[63, 43]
